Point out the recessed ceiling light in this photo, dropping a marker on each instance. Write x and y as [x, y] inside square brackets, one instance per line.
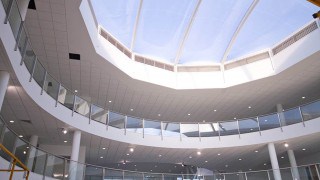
[189, 114]
[101, 157]
[219, 154]
[204, 121]
[251, 129]
[103, 148]
[75, 91]
[190, 157]
[256, 151]
[131, 109]
[128, 154]
[27, 147]
[159, 114]
[265, 164]
[65, 141]
[215, 110]
[24, 152]
[265, 120]
[110, 101]
[303, 97]
[20, 136]
[250, 169]
[249, 107]
[286, 145]
[240, 159]
[226, 165]
[206, 161]
[282, 157]
[12, 121]
[131, 149]
[303, 149]
[199, 153]
[234, 118]
[160, 155]
[135, 165]
[64, 131]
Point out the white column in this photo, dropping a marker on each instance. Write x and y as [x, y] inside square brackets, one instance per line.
[281, 115]
[4, 80]
[74, 155]
[32, 151]
[23, 8]
[293, 164]
[274, 161]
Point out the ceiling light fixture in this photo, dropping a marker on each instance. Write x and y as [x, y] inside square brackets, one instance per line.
[249, 107]
[215, 110]
[110, 101]
[265, 164]
[65, 141]
[160, 155]
[131, 149]
[20, 136]
[240, 159]
[303, 149]
[101, 157]
[205, 161]
[64, 131]
[24, 152]
[256, 151]
[128, 154]
[282, 157]
[234, 118]
[12, 121]
[103, 148]
[286, 145]
[131, 109]
[303, 97]
[159, 114]
[189, 114]
[75, 91]
[219, 154]
[199, 153]
[190, 157]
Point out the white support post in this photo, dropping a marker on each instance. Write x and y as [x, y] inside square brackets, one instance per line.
[274, 161]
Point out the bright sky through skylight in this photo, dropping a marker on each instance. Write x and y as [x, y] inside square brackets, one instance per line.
[163, 24]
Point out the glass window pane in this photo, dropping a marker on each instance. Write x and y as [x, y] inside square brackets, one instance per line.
[99, 114]
[209, 130]
[257, 175]
[8, 142]
[81, 106]
[291, 116]
[55, 167]
[171, 129]
[51, 86]
[66, 97]
[152, 127]
[228, 128]
[93, 173]
[113, 174]
[76, 171]
[311, 111]
[189, 130]
[39, 73]
[134, 124]
[15, 19]
[116, 120]
[152, 177]
[172, 177]
[29, 58]
[132, 176]
[268, 122]
[248, 125]
[21, 151]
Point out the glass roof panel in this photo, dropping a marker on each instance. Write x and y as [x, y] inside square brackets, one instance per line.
[212, 29]
[117, 17]
[270, 22]
[161, 27]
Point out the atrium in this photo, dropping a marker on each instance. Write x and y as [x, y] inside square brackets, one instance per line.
[160, 90]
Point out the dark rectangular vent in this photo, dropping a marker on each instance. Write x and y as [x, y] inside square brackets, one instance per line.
[74, 56]
[198, 68]
[296, 37]
[26, 121]
[32, 5]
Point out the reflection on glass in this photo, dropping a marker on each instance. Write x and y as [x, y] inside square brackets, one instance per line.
[189, 130]
[268, 122]
[209, 129]
[172, 177]
[29, 58]
[134, 124]
[171, 129]
[39, 162]
[228, 128]
[74, 170]
[248, 125]
[93, 173]
[152, 127]
[152, 176]
[55, 167]
[116, 120]
[51, 86]
[132, 176]
[99, 114]
[311, 111]
[81, 106]
[8, 142]
[291, 116]
[21, 151]
[23, 44]
[112, 174]
[15, 19]
[286, 173]
[257, 175]
[39, 73]
[66, 97]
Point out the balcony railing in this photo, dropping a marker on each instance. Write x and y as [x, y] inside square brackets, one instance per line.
[76, 104]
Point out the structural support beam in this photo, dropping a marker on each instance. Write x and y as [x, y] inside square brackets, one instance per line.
[32, 151]
[293, 164]
[274, 161]
[186, 34]
[236, 33]
[74, 155]
[282, 119]
[4, 80]
[135, 27]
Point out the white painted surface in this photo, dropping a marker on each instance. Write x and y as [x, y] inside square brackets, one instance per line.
[274, 161]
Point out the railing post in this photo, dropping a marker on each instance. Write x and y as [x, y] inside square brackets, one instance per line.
[74, 104]
[302, 119]
[219, 130]
[44, 81]
[142, 128]
[258, 125]
[238, 128]
[108, 119]
[245, 175]
[9, 8]
[125, 125]
[45, 168]
[24, 50]
[103, 173]
[199, 132]
[12, 168]
[58, 94]
[32, 70]
[268, 174]
[19, 35]
[180, 131]
[278, 115]
[161, 126]
[317, 169]
[90, 112]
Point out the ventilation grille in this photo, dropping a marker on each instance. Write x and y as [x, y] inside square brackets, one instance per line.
[151, 62]
[198, 68]
[247, 60]
[114, 42]
[305, 31]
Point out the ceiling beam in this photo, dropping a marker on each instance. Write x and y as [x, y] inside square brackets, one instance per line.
[135, 27]
[236, 33]
[186, 33]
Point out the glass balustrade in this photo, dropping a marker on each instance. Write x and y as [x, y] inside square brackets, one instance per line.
[81, 106]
